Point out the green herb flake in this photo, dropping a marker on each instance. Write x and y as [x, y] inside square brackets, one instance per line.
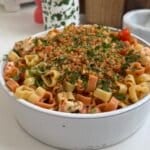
[73, 77]
[100, 34]
[114, 38]
[38, 82]
[84, 79]
[104, 84]
[44, 42]
[36, 71]
[16, 77]
[106, 47]
[120, 96]
[116, 77]
[120, 45]
[69, 49]
[91, 53]
[132, 57]
[60, 60]
[94, 68]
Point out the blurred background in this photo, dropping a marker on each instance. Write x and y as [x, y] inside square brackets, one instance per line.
[110, 12]
[106, 12]
[22, 18]
[18, 20]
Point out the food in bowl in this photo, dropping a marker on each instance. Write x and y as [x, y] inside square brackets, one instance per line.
[80, 69]
[76, 131]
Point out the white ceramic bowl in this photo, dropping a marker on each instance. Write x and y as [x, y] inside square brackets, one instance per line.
[78, 131]
[138, 21]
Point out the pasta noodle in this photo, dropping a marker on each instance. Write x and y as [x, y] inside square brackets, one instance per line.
[31, 60]
[102, 95]
[12, 85]
[122, 88]
[143, 78]
[40, 91]
[132, 93]
[129, 80]
[69, 87]
[24, 92]
[84, 99]
[50, 78]
[109, 106]
[10, 70]
[81, 69]
[29, 81]
[92, 83]
[136, 69]
[33, 98]
[12, 56]
[142, 89]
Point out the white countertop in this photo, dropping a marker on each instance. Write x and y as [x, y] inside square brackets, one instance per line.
[16, 26]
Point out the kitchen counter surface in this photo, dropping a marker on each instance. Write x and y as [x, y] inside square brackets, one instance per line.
[16, 26]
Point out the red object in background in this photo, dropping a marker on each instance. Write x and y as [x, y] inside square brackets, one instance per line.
[38, 18]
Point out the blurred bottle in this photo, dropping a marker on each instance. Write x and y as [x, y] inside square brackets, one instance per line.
[60, 13]
[38, 18]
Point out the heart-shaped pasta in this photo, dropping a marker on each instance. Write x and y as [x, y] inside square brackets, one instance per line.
[50, 78]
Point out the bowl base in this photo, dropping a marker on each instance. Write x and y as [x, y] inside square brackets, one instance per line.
[86, 148]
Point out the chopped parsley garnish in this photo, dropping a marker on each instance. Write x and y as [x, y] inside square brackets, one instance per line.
[84, 79]
[44, 42]
[60, 60]
[132, 58]
[93, 67]
[120, 44]
[104, 84]
[90, 53]
[120, 96]
[129, 58]
[114, 38]
[69, 49]
[74, 76]
[16, 77]
[38, 82]
[37, 71]
[116, 77]
[106, 46]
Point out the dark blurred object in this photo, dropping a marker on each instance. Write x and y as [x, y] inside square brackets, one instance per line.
[136, 4]
[104, 12]
[82, 6]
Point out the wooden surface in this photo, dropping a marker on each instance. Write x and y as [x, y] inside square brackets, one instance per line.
[105, 12]
[109, 12]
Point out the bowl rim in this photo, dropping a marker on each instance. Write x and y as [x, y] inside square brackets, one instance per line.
[74, 115]
[131, 13]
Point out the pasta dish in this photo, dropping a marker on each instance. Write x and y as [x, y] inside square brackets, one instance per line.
[80, 69]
